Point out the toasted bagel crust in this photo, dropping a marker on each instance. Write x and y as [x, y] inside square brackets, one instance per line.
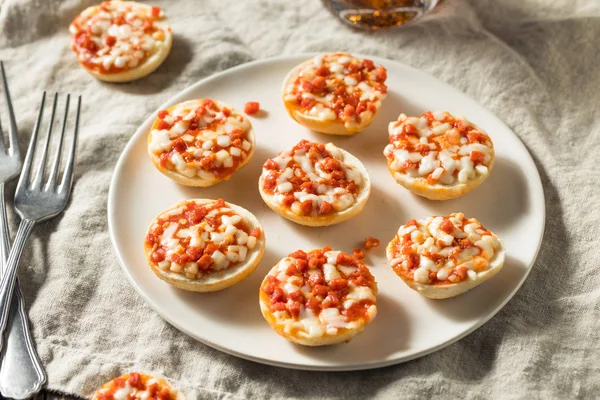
[217, 280]
[328, 219]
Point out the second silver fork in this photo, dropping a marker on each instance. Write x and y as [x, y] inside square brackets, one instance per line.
[37, 201]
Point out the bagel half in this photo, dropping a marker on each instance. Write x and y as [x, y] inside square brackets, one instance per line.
[318, 298]
[138, 386]
[437, 155]
[221, 142]
[342, 209]
[419, 255]
[186, 256]
[124, 51]
[310, 97]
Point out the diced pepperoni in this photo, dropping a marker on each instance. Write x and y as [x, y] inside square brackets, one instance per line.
[227, 112]
[211, 248]
[316, 279]
[447, 226]
[465, 244]
[306, 207]
[422, 148]
[300, 254]
[270, 182]
[318, 84]
[164, 394]
[291, 270]
[307, 86]
[294, 309]
[270, 164]
[180, 258]
[349, 111]
[410, 129]
[196, 215]
[412, 222]
[406, 250]
[252, 107]
[162, 114]
[296, 296]
[381, 74]
[322, 71]
[332, 300]
[278, 307]
[278, 295]
[150, 239]
[314, 304]
[179, 145]
[302, 265]
[163, 125]
[406, 165]
[110, 40]
[358, 253]
[205, 261]
[255, 232]
[320, 290]
[325, 208]
[461, 273]
[119, 20]
[119, 382]
[477, 157]
[148, 26]
[307, 103]
[158, 255]
[371, 242]
[155, 12]
[345, 259]
[368, 64]
[338, 284]
[135, 380]
[288, 200]
[413, 261]
[194, 253]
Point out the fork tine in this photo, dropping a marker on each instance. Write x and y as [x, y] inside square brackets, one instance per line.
[25, 172]
[68, 174]
[12, 123]
[54, 171]
[39, 176]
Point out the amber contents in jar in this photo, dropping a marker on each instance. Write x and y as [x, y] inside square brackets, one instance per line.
[378, 14]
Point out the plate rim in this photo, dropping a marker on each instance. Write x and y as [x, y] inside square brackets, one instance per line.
[111, 207]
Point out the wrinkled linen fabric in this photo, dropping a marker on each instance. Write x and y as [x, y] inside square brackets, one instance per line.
[533, 63]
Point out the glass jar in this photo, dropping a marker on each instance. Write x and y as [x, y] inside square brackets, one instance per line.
[379, 14]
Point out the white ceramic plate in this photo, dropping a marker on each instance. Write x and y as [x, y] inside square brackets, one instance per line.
[510, 203]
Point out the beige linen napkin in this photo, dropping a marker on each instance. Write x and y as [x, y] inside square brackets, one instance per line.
[534, 63]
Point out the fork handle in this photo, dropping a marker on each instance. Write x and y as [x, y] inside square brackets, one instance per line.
[21, 371]
[9, 279]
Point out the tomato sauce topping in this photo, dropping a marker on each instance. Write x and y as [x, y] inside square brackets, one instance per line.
[371, 243]
[196, 239]
[438, 147]
[136, 386]
[443, 250]
[322, 291]
[338, 86]
[312, 179]
[115, 37]
[201, 138]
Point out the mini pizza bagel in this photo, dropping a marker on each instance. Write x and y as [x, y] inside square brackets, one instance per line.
[335, 93]
[138, 386]
[318, 298]
[315, 184]
[437, 155]
[121, 41]
[204, 245]
[200, 142]
[442, 257]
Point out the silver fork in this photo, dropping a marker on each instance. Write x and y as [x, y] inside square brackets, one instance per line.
[36, 201]
[21, 372]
